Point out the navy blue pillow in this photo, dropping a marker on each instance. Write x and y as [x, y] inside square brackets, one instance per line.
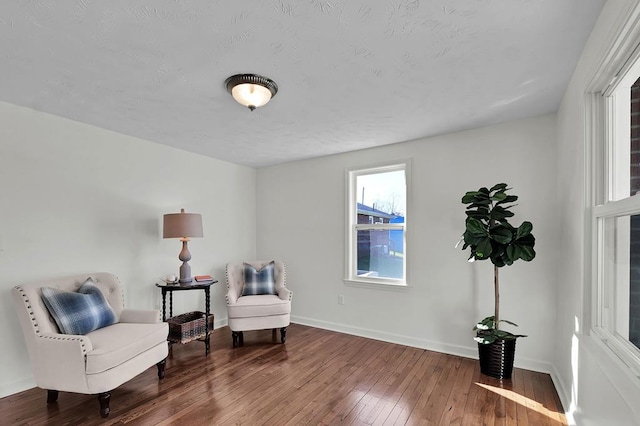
[81, 312]
[259, 282]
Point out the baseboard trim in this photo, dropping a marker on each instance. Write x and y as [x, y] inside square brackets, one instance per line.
[563, 394]
[17, 387]
[219, 323]
[463, 351]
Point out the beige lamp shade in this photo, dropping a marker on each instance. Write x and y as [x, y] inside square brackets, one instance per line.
[182, 225]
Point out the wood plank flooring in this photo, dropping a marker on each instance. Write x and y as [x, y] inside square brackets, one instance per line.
[317, 377]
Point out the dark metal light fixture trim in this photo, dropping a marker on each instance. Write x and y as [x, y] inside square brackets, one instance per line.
[253, 85]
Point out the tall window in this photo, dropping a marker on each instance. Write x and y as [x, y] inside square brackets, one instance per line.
[377, 219]
[616, 220]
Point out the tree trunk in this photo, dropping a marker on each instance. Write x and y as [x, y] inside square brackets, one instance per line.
[496, 286]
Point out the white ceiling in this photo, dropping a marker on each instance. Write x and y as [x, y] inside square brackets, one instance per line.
[352, 74]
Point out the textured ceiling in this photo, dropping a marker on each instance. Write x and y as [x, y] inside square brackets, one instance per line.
[352, 74]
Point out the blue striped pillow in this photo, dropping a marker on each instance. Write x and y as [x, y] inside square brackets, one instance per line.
[259, 282]
[81, 312]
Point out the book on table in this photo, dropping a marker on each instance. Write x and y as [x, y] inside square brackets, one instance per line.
[203, 278]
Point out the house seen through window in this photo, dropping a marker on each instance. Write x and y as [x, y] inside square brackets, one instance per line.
[634, 243]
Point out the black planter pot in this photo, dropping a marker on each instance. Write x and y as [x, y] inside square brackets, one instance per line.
[496, 359]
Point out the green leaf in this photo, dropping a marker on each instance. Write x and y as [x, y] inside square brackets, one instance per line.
[509, 322]
[499, 213]
[488, 339]
[528, 253]
[475, 226]
[498, 186]
[524, 230]
[498, 261]
[514, 252]
[474, 196]
[498, 196]
[480, 204]
[509, 199]
[478, 214]
[501, 234]
[483, 250]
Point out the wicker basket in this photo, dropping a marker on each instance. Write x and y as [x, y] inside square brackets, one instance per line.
[188, 327]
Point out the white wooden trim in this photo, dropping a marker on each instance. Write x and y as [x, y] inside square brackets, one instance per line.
[351, 225]
[622, 55]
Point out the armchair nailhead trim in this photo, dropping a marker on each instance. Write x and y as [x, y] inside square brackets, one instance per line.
[27, 305]
[121, 292]
[284, 274]
[65, 337]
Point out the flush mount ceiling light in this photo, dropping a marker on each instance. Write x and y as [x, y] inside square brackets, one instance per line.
[251, 90]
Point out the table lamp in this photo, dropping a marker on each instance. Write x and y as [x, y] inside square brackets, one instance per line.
[183, 225]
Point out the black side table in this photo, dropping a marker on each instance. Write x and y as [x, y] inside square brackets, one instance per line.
[203, 285]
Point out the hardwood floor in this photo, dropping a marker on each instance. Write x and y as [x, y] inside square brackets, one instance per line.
[317, 377]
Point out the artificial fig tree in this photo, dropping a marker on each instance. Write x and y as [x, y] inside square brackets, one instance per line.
[489, 235]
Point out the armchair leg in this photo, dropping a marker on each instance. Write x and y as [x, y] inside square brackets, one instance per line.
[161, 366]
[241, 338]
[104, 398]
[283, 334]
[234, 336]
[52, 396]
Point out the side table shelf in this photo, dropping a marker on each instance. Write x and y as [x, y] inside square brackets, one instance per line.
[190, 326]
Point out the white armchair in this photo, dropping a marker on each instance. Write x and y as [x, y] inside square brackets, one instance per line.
[257, 312]
[99, 361]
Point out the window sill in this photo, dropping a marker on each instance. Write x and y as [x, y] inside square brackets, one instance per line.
[621, 376]
[376, 285]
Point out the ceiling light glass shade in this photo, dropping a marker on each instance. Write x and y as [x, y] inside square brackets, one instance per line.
[251, 90]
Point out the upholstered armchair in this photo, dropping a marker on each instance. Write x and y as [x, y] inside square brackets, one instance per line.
[98, 361]
[257, 298]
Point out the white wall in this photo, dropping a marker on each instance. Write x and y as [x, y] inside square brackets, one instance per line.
[592, 387]
[75, 198]
[301, 219]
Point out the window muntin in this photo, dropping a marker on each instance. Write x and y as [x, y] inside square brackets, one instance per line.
[376, 243]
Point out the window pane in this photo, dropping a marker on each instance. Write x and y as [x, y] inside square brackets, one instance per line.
[621, 275]
[380, 196]
[380, 254]
[635, 138]
[634, 285]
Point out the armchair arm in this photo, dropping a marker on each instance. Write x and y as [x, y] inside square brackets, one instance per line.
[234, 283]
[284, 293]
[232, 295]
[59, 361]
[140, 316]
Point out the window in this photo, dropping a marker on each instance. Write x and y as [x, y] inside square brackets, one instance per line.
[376, 221]
[615, 314]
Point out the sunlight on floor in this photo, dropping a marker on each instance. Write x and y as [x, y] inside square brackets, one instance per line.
[522, 400]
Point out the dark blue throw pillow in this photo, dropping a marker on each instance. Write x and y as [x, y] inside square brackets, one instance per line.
[259, 282]
[79, 312]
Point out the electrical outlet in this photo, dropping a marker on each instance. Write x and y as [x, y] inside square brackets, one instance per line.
[341, 299]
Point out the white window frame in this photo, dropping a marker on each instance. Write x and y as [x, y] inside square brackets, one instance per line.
[607, 119]
[352, 226]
